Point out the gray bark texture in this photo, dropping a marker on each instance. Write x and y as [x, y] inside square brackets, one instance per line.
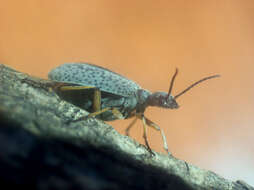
[42, 146]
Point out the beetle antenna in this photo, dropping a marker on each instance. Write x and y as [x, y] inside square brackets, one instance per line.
[172, 82]
[194, 84]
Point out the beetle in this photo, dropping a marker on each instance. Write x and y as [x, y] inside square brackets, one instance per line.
[109, 96]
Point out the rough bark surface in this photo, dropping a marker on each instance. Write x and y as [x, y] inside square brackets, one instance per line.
[42, 146]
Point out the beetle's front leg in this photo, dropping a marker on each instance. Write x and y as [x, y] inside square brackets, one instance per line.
[148, 122]
[141, 116]
[156, 127]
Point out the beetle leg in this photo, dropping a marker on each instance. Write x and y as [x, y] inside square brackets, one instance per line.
[69, 88]
[141, 116]
[96, 96]
[130, 126]
[153, 125]
[117, 113]
[114, 111]
[97, 112]
[96, 101]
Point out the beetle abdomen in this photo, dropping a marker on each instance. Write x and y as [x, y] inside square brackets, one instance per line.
[85, 74]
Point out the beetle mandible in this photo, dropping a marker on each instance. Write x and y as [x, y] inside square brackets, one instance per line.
[109, 96]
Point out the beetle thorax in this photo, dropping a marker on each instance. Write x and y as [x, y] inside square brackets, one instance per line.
[142, 96]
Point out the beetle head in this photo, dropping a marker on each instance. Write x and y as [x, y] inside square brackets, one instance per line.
[161, 99]
[166, 100]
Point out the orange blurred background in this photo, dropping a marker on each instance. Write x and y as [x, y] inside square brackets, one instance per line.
[145, 41]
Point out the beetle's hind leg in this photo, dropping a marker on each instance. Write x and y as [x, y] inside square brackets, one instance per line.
[97, 106]
[96, 102]
[96, 96]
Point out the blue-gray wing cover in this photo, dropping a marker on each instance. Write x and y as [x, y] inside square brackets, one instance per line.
[91, 75]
